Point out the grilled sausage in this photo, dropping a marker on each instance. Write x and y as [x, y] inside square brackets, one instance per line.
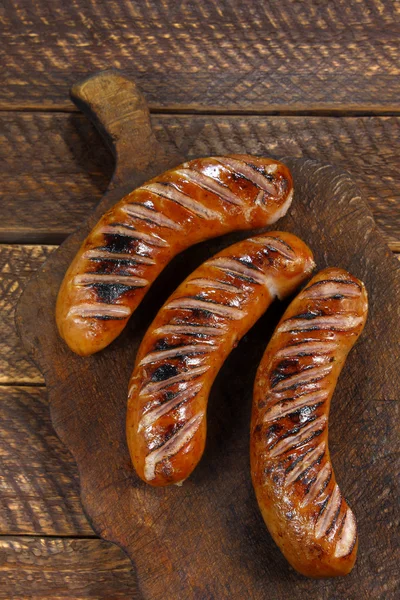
[134, 241]
[292, 474]
[188, 342]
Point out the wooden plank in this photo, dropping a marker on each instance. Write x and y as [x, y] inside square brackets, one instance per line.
[56, 169]
[17, 264]
[39, 487]
[212, 54]
[55, 569]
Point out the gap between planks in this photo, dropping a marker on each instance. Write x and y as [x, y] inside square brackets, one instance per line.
[277, 110]
[59, 536]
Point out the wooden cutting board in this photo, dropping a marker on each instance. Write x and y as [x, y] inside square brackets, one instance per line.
[206, 539]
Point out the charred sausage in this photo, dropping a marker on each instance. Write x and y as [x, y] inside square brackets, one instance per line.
[134, 241]
[292, 474]
[188, 341]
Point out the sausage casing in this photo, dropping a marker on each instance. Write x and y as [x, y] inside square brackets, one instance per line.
[188, 341]
[134, 241]
[292, 474]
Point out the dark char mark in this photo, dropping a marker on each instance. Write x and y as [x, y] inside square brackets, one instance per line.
[115, 242]
[309, 315]
[109, 292]
[162, 344]
[261, 170]
[164, 372]
[284, 369]
[304, 411]
[116, 250]
[242, 277]
[276, 377]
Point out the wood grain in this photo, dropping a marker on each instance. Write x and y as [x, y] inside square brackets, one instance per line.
[214, 55]
[55, 569]
[17, 264]
[39, 487]
[56, 168]
[215, 512]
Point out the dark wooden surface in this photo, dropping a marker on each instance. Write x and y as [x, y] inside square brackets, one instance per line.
[307, 79]
[215, 55]
[215, 510]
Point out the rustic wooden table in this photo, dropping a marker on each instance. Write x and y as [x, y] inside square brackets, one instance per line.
[305, 79]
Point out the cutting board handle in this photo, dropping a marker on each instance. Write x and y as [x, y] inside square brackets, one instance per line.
[118, 109]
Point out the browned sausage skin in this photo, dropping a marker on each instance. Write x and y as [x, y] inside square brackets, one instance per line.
[291, 469]
[189, 340]
[136, 239]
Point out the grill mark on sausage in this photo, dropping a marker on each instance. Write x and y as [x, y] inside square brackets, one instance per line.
[129, 281]
[301, 436]
[332, 290]
[105, 255]
[323, 282]
[292, 394]
[176, 352]
[126, 231]
[203, 282]
[194, 330]
[308, 315]
[327, 513]
[210, 184]
[144, 213]
[285, 407]
[318, 486]
[347, 535]
[168, 191]
[304, 463]
[309, 375]
[307, 349]
[250, 173]
[332, 529]
[100, 311]
[110, 292]
[237, 268]
[172, 446]
[340, 322]
[181, 397]
[164, 372]
[275, 244]
[221, 310]
[156, 385]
